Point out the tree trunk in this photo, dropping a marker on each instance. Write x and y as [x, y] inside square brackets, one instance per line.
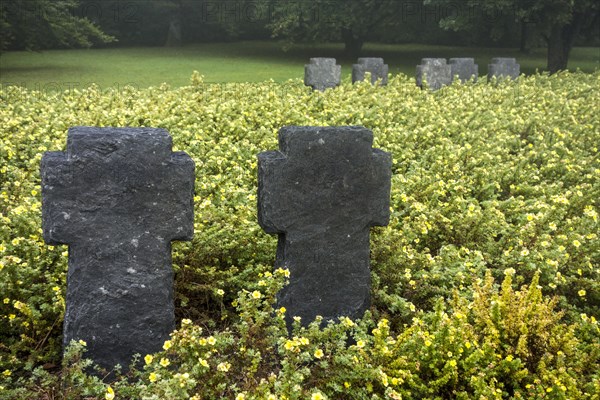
[558, 52]
[561, 42]
[525, 33]
[352, 43]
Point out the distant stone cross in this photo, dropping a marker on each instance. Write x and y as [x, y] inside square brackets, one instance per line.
[321, 192]
[435, 72]
[503, 67]
[464, 68]
[118, 197]
[322, 73]
[375, 66]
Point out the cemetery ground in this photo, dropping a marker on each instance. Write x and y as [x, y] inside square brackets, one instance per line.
[485, 283]
[234, 62]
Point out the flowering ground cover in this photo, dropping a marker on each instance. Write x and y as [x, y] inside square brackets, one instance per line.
[485, 283]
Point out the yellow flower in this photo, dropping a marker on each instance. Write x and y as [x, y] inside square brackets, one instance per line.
[223, 367]
[7, 373]
[203, 362]
[289, 345]
[152, 377]
[581, 293]
[164, 362]
[186, 321]
[468, 345]
[530, 217]
[428, 343]
[360, 344]
[82, 342]
[347, 322]
[576, 243]
[317, 396]
[148, 359]
[304, 341]
[347, 385]
[318, 353]
[110, 394]
[211, 340]
[220, 292]
[282, 310]
[256, 294]
[167, 345]
[6, 300]
[240, 396]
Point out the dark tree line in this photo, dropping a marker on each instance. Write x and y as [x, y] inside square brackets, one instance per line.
[555, 24]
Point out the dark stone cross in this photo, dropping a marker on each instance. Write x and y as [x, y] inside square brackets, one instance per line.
[464, 68]
[118, 197]
[322, 73]
[321, 192]
[375, 66]
[504, 68]
[435, 71]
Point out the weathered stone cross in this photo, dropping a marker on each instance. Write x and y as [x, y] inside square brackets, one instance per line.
[118, 197]
[321, 192]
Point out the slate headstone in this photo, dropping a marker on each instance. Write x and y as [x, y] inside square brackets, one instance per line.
[118, 197]
[435, 72]
[322, 73]
[504, 68]
[465, 68]
[321, 192]
[375, 66]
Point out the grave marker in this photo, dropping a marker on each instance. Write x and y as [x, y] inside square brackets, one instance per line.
[321, 192]
[435, 71]
[322, 73]
[465, 68]
[118, 197]
[504, 68]
[375, 66]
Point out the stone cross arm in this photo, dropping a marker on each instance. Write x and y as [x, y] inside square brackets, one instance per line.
[116, 179]
[338, 161]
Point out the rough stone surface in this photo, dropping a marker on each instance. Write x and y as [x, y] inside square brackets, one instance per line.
[465, 68]
[504, 68]
[435, 71]
[320, 193]
[118, 197]
[322, 73]
[375, 66]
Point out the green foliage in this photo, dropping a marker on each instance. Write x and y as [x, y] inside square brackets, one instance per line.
[496, 177]
[559, 23]
[42, 24]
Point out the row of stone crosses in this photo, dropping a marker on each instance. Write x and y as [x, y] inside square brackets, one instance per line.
[118, 197]
[324, 73]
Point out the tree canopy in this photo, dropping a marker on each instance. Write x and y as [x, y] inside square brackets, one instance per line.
[557, 22]
[43, 24]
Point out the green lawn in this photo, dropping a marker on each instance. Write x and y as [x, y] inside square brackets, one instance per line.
[232, 62]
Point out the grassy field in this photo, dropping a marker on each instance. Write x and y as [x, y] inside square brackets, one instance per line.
[232, 62]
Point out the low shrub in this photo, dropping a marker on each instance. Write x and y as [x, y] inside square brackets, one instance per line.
[496, 178]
